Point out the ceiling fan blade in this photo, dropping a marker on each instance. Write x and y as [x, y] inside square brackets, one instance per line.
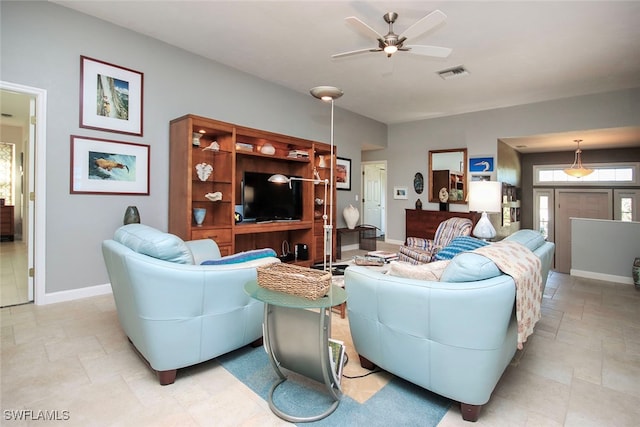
[354, 52]
[435, 51]
[423, 25]
[363, 28]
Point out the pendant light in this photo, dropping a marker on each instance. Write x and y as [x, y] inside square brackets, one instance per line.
[577, 170]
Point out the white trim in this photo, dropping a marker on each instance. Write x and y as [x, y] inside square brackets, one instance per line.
[74, 294]
[600, 276]
[40, 203]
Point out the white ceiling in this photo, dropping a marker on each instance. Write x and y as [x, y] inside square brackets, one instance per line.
[516, 52]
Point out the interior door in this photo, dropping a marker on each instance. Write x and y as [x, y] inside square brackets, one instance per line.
[574, 203]
[373, 200]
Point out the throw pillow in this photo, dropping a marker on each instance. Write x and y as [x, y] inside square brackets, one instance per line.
[459, 244]
[431, 271]
[242, 257]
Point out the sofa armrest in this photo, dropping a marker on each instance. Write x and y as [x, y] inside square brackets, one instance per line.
[203, 250]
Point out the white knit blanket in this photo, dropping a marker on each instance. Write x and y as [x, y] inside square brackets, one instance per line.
[524, 267]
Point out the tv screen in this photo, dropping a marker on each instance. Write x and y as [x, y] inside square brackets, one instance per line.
[266, 201]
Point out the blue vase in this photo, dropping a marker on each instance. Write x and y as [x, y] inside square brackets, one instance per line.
[198, 215]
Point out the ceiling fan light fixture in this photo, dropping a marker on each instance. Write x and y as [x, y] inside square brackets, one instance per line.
[577, 170]
[390, 49]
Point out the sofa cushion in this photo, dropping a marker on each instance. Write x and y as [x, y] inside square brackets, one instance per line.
[469, 267]
[154, 243]
[459, 244]
[529, 238]
[242, 257]
[431, 271]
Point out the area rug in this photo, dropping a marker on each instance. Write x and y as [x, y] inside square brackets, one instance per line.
[399, 403]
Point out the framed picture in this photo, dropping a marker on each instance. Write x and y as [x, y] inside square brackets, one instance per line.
[481, 164]
[99, 166]
[343, 174]
[400, 193]
[480, 177]
[110, 97]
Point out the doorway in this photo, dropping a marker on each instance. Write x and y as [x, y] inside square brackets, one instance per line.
[374, 191]
[575, 203]
[22, 252]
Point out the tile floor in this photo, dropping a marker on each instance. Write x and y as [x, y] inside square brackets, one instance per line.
[13, 273]
[580, 368]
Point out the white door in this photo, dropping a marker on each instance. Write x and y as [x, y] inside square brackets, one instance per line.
[373, 194]
[573, 203]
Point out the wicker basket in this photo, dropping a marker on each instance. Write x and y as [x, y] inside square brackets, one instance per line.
[294, 280]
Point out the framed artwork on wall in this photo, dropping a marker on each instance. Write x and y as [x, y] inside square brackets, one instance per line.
[400, 193]
[343, 173]
[100, 166]
[480, 164]
[110, 97]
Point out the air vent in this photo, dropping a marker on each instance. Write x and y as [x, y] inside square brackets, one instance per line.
[452, 73]
[7, 115]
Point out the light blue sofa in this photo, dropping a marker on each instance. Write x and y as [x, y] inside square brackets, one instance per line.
[176, 312]
[454, 337]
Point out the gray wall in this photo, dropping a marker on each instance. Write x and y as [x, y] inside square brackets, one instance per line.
[409, 143]
[604, 250]
[41, 44]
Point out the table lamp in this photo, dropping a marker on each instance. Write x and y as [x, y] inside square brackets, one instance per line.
[485, 196]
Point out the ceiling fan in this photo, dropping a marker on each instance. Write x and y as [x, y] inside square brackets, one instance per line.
[391, 42]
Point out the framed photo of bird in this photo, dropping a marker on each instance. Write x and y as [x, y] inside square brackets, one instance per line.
[110, 97]
[100, 166]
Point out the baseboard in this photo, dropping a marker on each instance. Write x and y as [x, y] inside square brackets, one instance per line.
[600, 276]
[74, 294]
[353, 247]
[394, 242]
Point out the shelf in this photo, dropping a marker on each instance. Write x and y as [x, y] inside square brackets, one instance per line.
[266, 227]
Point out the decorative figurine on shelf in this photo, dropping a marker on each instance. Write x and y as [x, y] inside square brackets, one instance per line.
[196, 139]
[418, 204]
[213, 197]
[322, 163]
[198, 215]
[204, 171]
[131, 216]
[214, 146]
[443, 195]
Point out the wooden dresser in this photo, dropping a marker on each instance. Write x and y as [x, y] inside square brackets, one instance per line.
[422, 223]
[6, 222]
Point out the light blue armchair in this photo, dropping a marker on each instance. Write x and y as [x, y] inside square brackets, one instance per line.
[454, 337]
[176, 312]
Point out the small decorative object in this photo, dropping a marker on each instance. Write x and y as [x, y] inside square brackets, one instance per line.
[204, 171]
[214, 197]
[418, 204]
[214, 146]
[319, 202]
[198, 215]
[241, 146]
[636, 273]
[418, 183]
[237, 217]
[196, 139]
[268, 149]
[443, 196]
[351, 216]
[322, 163]
[131, 215]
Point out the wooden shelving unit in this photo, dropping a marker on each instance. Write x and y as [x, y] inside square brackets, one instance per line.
[239, 151]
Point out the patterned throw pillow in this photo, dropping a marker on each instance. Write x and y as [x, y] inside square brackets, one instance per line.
[242, 257]
[459, 244]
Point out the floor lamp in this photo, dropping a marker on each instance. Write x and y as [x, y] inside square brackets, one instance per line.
[328, 93]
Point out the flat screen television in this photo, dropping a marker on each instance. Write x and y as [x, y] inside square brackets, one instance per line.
[267, 201]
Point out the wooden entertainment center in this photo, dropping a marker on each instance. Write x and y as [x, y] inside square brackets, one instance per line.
[244, 149]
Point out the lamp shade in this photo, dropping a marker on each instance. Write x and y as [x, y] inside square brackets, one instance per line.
[485, 196]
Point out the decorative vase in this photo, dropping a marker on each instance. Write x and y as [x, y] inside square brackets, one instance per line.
[636, 273]
[418, 204]
[351, 216]
[198, 215]
[196, 138]
[131, 215]
[322, 163]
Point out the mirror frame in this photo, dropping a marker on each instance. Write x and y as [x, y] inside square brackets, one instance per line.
[465, 178]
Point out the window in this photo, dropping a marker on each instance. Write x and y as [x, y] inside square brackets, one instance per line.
[543, 214]
[620, 174]
[626, 209]
[626, 203]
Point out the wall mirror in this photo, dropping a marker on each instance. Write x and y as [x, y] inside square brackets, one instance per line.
[448, 170]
